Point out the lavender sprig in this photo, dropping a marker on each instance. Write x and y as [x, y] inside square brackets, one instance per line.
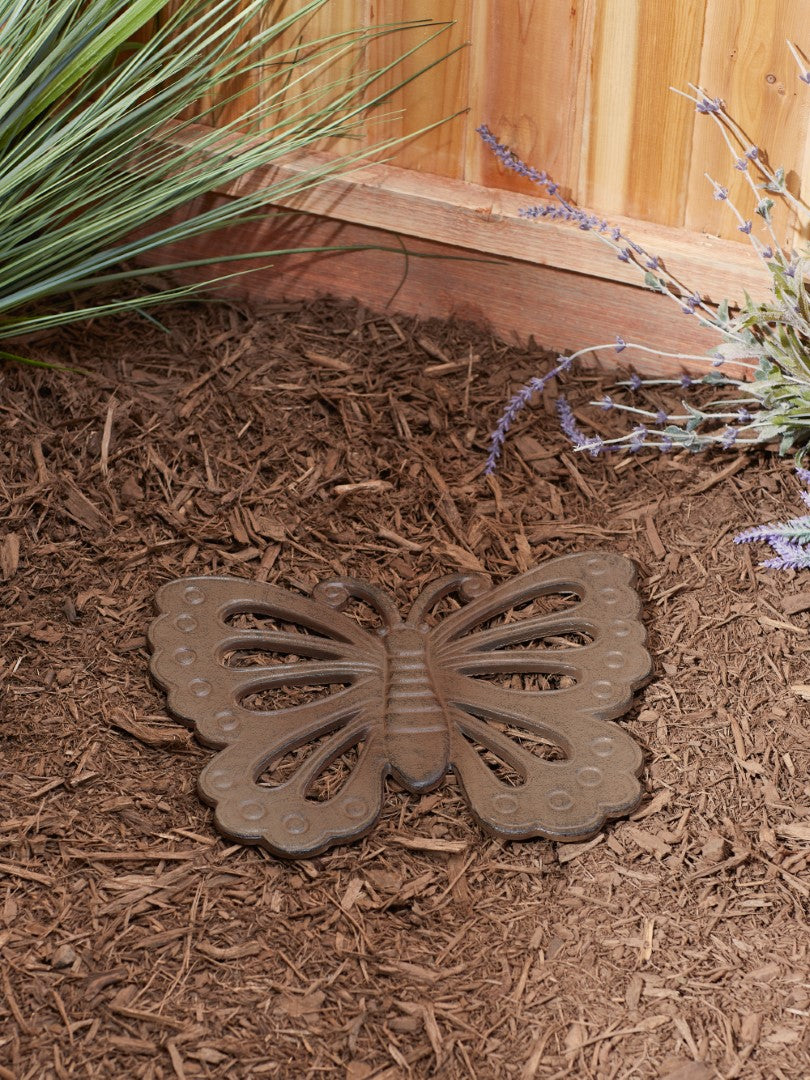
[519, 402]
[789, 540]
[627, 250]
[768, 343]
[593, 444]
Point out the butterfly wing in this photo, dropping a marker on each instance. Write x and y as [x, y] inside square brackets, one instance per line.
[285, 819]
[191, 642]
[565, 799]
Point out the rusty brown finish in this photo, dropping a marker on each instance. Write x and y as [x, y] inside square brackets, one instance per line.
[414, 698]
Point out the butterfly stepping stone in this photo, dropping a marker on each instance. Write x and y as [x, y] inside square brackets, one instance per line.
[418, 698]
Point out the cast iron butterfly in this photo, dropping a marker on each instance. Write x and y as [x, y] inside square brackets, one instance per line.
[415, 700]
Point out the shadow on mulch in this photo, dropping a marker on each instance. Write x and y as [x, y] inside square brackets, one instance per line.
[290, 443]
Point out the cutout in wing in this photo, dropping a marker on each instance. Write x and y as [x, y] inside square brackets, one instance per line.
[574, 688]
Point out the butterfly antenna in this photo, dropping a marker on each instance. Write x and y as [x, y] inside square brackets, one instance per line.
[339, 591]
[469, 585]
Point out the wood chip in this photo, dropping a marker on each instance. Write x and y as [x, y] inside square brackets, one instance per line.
[159, 738]
[78, 506]
[688, 1070]
[795, 603]
[779, 624]
[464, 558]
[799, 830]
[147, 1017]
[658, 549]
[568, 852]
[430, 843]
[369, 486]
[9, 555]
[230, 952]
[24, 873]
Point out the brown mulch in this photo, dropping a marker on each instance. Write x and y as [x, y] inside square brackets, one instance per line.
[288, 444]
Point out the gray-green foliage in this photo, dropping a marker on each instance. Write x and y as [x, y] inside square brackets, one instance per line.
[96, 116]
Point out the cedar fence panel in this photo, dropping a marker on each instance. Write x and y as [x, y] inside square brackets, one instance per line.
[580, 88]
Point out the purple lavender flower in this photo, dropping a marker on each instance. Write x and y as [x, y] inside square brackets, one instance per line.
[636, 382]
[806, 77]
[653, 262]
[729, 438]
[606, 402]
[621, 344]
[741, 163]
[752, 153]
[595, 446]
[639, 434]
[508, 158]
[570, 427]
[746, 227]
[744, 416]
[661, 417]
[767, 252]
[720, 193]
[519, 402]
[567, 419]
[666, 444]
[790, 555]
[789, 540]
[686, 381]
[709, 105]
[624, 255]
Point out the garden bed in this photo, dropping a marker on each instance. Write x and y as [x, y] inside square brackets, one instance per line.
[292, 442]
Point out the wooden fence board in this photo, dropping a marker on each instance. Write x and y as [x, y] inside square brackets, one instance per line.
[439, 93]
[580, 88]
[535, 99]
[746, 62]
[670, 38]
[517, 300]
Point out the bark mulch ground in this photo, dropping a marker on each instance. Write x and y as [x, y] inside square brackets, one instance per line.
[288, 444]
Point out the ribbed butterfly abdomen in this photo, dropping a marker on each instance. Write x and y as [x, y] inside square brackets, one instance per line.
[416, 728]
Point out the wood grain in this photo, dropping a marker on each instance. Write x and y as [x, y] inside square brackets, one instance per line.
[486, 220]
[609, 151]
[747, 63]
[434, 95]
[527, 83]
[559, 309]
[637, 156]
[669, 43]
[582, 90]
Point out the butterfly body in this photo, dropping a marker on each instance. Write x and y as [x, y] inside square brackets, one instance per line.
[416, 723]
[412, 700]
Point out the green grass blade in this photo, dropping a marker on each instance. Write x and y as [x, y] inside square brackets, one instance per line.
[92, 129]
